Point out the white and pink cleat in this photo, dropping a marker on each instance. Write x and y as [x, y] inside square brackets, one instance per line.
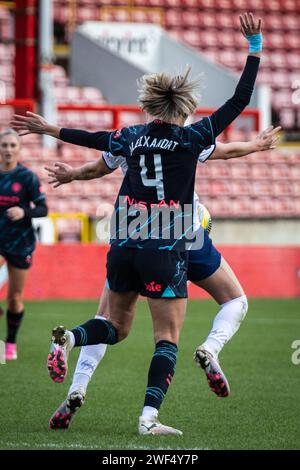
[216, 378]
[57, 362]
[11, 352]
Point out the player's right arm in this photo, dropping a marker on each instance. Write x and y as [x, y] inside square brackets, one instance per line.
[35, 124]
[61, 173]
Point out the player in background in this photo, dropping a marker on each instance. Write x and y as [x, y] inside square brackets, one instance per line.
[202, 268]
[161, 157]
[19, 187]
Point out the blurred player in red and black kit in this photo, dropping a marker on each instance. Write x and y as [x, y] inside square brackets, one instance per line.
[19, 187]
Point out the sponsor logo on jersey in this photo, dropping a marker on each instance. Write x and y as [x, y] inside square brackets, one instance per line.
[117, 134]
[16, 187]
[143, 205]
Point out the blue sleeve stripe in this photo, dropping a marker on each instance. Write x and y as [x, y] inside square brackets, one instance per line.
[212, 132]
[39, 198]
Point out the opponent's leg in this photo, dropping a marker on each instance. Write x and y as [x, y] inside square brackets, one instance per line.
[225, 288]
[88, 361]
[90, 356]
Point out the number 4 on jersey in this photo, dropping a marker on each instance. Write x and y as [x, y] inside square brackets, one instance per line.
[158, 181]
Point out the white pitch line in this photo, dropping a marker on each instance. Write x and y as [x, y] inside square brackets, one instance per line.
[52, 445]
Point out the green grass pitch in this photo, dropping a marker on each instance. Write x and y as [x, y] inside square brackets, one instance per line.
[261, 413]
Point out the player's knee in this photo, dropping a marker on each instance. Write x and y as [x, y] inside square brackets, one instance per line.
[15, 303]
[239, 305]
[123, 332]
[244, 307]
[171, 335]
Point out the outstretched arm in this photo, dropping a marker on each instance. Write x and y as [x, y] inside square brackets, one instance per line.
[35, 124]
[243, 92]
[61, 173]
[266, 140]
[220, 119]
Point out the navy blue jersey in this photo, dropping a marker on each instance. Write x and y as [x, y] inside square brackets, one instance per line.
[159, 185]
[18, 187]
[161, 161]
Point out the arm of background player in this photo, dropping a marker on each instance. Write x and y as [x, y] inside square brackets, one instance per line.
[61, 173]
[40, 210]
[37, 196]
[266, 140]
[35, 124]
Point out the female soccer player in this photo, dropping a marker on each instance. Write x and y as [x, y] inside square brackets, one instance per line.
[202, 268]
[19, 187]
[161, 158]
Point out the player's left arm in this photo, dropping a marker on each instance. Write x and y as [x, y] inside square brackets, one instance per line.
[210, 127]
[266, 140]
[36, 196]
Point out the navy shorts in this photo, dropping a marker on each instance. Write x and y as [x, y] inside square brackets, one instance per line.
[152, 273]
[20, 262]
[204, 262]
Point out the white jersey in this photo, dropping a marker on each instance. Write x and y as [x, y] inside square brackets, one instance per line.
[114, 162]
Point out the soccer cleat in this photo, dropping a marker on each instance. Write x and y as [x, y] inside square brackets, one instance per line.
[11, 351]
[61, 418]
[147, 427]
[215, 376]
[58, 356]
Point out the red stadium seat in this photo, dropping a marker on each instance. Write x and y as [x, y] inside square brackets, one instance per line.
[239, 170]
[224, 20]
[290, 22]
[289, 5]
[240, 187]
[273, 21]
[262, 206]
[293, 60]
[217, 169]
[273, 5]
[139, 16]
[192, 38]
[260, 170]
[223, 5]
[87, 13]
[173, 18]
[190, 18]
[173, 3]
[280, 171]
[207, 20]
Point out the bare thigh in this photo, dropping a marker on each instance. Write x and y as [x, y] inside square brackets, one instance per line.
[167, 317]
[222, 285]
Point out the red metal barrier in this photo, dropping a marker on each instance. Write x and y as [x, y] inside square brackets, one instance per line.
[78, 271]
[116, 111]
